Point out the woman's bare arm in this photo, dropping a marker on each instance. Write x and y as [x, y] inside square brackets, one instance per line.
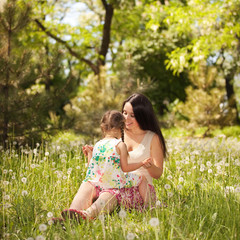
[155, 166]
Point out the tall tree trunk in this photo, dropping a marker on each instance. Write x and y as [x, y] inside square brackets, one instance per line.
[231, 94]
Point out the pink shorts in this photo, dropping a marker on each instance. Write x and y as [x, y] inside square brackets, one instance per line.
[130, 198]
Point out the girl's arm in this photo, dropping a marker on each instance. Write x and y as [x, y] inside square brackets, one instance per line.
[125, 166]
[155, 163]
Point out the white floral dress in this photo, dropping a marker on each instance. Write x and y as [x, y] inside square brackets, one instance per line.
[104, 169]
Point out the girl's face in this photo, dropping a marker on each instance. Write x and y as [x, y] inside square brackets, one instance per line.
[131, 122]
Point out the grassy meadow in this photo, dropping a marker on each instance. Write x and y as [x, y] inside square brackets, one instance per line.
[198, 194]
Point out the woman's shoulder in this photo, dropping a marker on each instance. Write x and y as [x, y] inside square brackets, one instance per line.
[150, 135]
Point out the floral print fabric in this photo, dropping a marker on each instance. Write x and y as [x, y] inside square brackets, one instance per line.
[104, 169]
[130, 198]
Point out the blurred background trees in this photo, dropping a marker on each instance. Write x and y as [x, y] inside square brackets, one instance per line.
[64, 63]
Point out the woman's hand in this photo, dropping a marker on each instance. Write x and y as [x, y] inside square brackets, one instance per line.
[147, 163]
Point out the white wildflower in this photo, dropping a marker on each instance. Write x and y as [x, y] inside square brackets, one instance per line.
[5, 183]
[179, 187]
[33, 165]
[24, 180]
[101, 217]
[122, 213]
[158, 203]
[169, 177]
[154, 222]
[42, 227]
[208, 163]
[24, 193]
[130, 236]
[40, 237]
[170, 194]
[181, 179]
[210, 170]
[50, 222]
[167, 186]
[50, 214]
[7, 197]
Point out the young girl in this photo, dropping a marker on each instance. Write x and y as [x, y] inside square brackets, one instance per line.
[108, 166]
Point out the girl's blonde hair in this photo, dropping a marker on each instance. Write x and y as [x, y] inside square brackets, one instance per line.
[113, 119]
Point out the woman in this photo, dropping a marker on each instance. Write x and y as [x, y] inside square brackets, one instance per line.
[144, 139]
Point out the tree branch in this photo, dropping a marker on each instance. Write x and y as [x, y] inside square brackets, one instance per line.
[106, 32]
[71, 51]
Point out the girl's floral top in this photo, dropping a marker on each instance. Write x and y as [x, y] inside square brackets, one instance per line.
[104, 169]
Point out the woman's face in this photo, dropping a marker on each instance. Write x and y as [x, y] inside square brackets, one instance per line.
[131, 122]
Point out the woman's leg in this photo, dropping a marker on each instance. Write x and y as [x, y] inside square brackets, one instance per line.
[106, 203]
[84, 197]
[144, 191]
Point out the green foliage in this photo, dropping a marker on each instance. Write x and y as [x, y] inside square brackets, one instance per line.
[101, 94]
[34, 87]
[205, 105]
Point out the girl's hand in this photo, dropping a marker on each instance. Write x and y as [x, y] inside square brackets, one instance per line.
[147, 163]
[87, 149]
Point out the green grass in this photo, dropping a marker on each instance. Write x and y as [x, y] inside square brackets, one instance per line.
[200, 187]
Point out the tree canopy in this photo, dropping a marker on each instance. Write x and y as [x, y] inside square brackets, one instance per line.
[56, 75]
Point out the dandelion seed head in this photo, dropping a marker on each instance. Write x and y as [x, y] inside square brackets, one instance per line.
[167, 186]
[30, 238]
[208, 163]
[40, 237]
[154, 222]
[33, 165]
[24, 180]
[24, 193]
[179, 187]
[169, 177]
[50, 214]
[7, 197]
[181, 179]
[50, 222]
[122, 213]
[5, 183]
[210, 170]
[42, 227]
[101, 217]
[237, 189]
[130, 236]
[170, 194]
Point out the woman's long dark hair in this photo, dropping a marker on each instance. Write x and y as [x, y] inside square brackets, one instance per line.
[145, 116]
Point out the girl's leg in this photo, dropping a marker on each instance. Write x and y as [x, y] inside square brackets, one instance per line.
[106, 203]
[144, 191]
[84, 197]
